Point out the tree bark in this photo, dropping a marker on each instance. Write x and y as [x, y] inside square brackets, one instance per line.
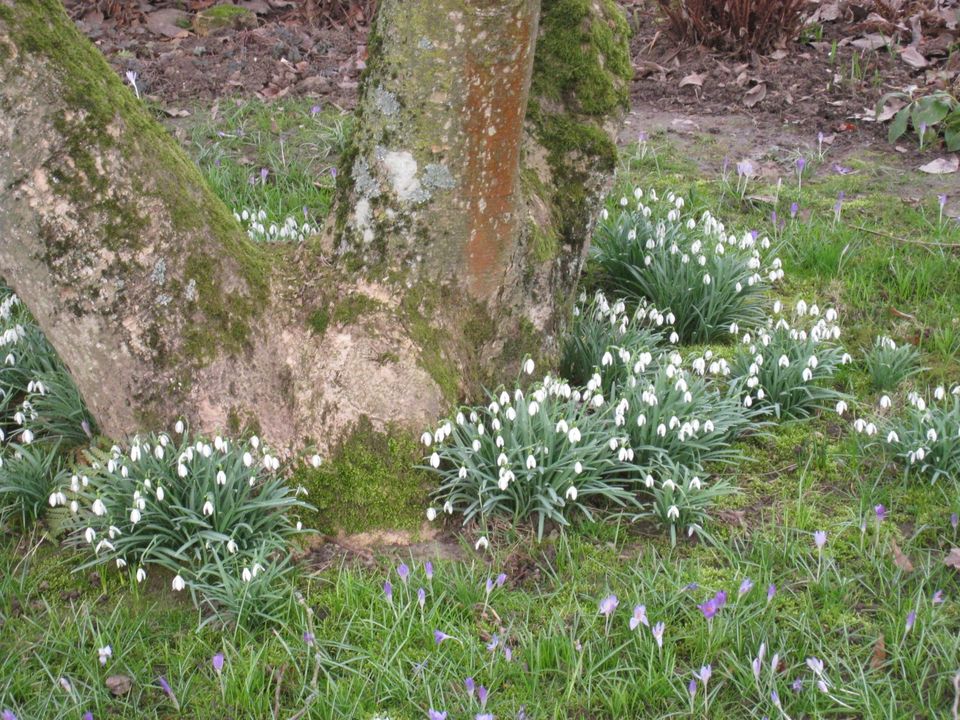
[460, 202]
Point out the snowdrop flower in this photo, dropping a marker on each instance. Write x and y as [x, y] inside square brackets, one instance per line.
[105, 653]
[221, 477]
[247, 459]
[528, 366]
[178, 583]
[574, 435]
[673, 513]
[435, 460]
[892, 437]
[841, 407]
[885, 401]
[178, 428]
[784, 361]
[160, 493]
[141, 575]
[571, 493]
[208, 508]
[448, 507]
[90, 535]
[426, 439]
[932, 435]
[316, 461]
[482, 543]
[231, 546]
[134, 516]
[578, 467]
[431, 514]
[246, 575]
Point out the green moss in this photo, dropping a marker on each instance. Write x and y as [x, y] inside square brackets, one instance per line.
[545, 245]
[353, 307]
[225, 11]
[416, 308]
[370, 482]
[582, 55]
[224, 16]
[319, 320]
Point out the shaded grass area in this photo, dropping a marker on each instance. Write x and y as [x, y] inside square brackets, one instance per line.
[278, 157]
[848, 605]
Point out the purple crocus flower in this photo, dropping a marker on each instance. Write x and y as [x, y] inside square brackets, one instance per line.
[838, 205]
[308, 638]
[794, 209]
[492, 645]
[263, 175]
[745, 587]
[8, 715]
[428, 568]
[439, 637]
[218, 663]
[483, 716]
[841, 170]
[421, 597]
[315, 110]
[775, 699]
[954, 520]
[639, 617]
[482, 696]
[692, 688]
[709, 608]
[388, 591]
[820, 539]
[608, 605]
[881, 512]
[508, 653]
[501, 579]
[436, 715]
[165, 686]
[333, 172]
[771, 591]
[745, 167]
[773, 217]
[690, 586]
[754, 234]
[942, 199]
[758, 660]
[801, 164]
[404, 572]
[911, 619]
[704, 675]
[522, 713]
[87, 715]
[470, 685]
[489, 585]
[797, 685]
[937, 598]
[657, 631]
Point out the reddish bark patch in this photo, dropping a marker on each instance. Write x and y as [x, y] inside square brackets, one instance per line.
[495, 107]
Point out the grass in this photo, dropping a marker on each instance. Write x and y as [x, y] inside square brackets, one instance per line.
[296, 142]
[849, 606]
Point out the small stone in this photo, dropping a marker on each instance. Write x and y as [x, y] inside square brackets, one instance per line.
[119, 684]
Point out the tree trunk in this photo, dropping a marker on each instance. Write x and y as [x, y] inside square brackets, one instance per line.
[161, 307]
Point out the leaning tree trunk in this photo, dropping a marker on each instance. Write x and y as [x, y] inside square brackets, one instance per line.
[161, 307]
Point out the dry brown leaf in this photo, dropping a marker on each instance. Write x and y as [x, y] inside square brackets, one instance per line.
[912, 57]
[899, 559]
[695, 79]
[953, 558]
[871, 41]
[119, 684]
[942, 166]
[755, 94]
[879, 655]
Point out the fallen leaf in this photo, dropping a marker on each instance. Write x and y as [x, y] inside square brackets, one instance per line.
[879, 655]
[695, 79]
[889, 110]
[175, 112]
[119, 684]
[912, 57]
[873, 41]
[779, 54]
[899, 559]
[755, 94]
[953, 558]
[942, 166]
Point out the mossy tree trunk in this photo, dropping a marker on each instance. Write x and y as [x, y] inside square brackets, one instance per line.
[476, 167]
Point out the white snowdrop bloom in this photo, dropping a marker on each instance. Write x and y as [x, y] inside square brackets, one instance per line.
[460, 418]
[105, 654]
[662, 430]
[504, 398]
[531, 462]
[674, 338]
[695, 483]
[316, 461]
[448, 507]
[607, 359]
[870, 429]
[921, 453]
[612, 443]
[103, 544]
[74, 507]
[208, 508]
[502, 460]
[859, 424]
[121, 563]
[921, 404]
[27, 437]
[597, 400]
[801, 308]
[578, 467]
[178, 583]
[706, 278]
[90, 535]
[528, 366]
[812, 361]
[931, 435]
[231, 546]
[784, 361]
[571, 493]
[496, 425]
[141, 575]
[841, 407]
[807, 375]
[814, 310]
[747, 401]
[221, 477]
[940, 393]
[135, 453]
[179, 428]
[134, 516]
[708, 426]
[669, 484]
[435, 460]
[462, 473]
[673, 513]
[511, 414]
[892, 437]
[163, 440]
[475, 445]
[57, 498]
[499, 441]
[641, 420]
[885, 401]
[182, 470]
[846, 359]
[830, 315]
[98, 508]
[431, 514]
[533, 408]
[574, 435]
[504, 482]
[760, 394]
[218, 442]
[562, 427]
[481, 429]
[482, 543]
[160, 493]
[247, 459]
[246, 575]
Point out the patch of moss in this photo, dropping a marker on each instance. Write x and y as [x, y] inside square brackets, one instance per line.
[545, 245]
[319, 320]
[223, 16]
[370, 482]
[416, 308]
[583, 55]
[353, 307]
